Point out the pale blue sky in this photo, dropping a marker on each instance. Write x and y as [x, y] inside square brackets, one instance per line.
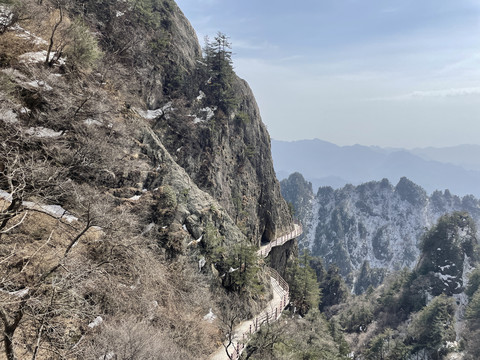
[374, 72]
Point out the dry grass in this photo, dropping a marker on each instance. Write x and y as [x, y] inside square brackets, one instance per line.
[116, 277]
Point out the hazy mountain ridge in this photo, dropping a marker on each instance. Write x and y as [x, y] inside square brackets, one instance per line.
[326, 164]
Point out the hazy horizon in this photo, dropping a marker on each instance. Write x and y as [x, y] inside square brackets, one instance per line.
[378, 146]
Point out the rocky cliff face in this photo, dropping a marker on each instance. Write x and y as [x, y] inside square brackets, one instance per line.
[229, 157]
[374, 225]
[226, 155]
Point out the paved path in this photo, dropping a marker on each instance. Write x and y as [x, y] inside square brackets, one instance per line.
[271, 312]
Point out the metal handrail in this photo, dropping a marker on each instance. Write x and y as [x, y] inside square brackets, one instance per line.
[263, 252]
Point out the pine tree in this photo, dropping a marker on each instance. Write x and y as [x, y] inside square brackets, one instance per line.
[219, 86]
[304, 289]
[241, 270]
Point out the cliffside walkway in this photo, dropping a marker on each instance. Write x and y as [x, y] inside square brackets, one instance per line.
[281, 298]
[265, 250]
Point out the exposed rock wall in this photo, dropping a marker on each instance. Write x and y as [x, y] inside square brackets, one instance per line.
[226, 155]
[229, 157]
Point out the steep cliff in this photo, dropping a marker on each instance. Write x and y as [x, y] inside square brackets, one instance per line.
[226, 153]
[229, 157]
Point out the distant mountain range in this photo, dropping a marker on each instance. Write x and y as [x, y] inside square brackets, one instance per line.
[375, 225]
[325, 164]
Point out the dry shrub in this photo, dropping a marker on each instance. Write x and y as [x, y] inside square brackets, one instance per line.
[129, 338]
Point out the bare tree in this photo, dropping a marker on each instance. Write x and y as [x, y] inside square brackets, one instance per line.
[55, 28]
[37, 280]
[230, 316]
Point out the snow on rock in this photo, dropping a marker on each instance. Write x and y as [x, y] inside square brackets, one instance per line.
[19, 293]
[42, 132]
[119, 13]
[153, 114]
[54, 210]
[208, 114]
[38, 57]
[5, 195]
[201, 95]
[135, 198]
[375, 222]
[39, 84]
[33, 57]
[6, 17]
[201, 263]
[210, 317]
[98, 321]
[25, 34]
[194, 242]
[58, 211]
[445, 277]
[92, 122]
[312, 223]
[8, 116]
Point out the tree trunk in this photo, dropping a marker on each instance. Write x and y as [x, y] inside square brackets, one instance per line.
[8, 341]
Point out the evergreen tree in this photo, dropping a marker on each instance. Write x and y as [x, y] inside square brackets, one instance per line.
[241, 270]
[219, 86]
[472, 333]
[333, 288]
[433, 327]
[304, 289]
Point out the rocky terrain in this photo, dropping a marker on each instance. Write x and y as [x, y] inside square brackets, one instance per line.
[134, 174]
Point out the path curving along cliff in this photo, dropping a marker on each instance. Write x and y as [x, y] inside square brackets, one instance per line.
[271, 313]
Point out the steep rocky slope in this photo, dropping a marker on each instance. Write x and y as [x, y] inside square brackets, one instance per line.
[423, 312]
[124, 203]
[371, 226]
